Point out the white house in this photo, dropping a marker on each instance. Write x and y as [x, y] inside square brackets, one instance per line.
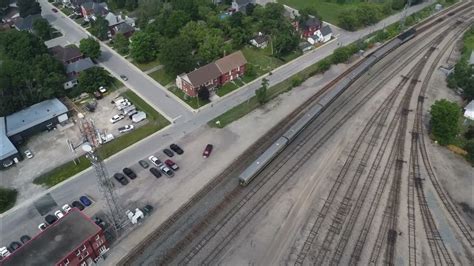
[259, 41]
[321, 36]
[469, 111]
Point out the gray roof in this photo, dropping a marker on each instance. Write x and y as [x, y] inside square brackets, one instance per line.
[312, 22]
[123, 28]
[7, 148]
[96, 8]
[65, 54]
[26, 23]
[56, 242]
[260, 39]
[326, 30]
[471, 59]
[34, 115]
[79, 65]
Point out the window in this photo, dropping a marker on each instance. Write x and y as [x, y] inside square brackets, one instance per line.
[84, 247]
[97, 237]
[84, 264]
[78, 253]
[86, 254]
[66, 262]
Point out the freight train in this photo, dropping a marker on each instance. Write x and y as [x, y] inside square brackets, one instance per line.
[266, 157]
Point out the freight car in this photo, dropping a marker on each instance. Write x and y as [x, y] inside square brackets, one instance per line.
[263, 160]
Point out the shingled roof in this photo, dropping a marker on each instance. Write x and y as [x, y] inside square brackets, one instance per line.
[232, 61]
[64, 54]
[203, 74]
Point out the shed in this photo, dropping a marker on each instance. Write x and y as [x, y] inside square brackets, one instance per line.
[469, 111]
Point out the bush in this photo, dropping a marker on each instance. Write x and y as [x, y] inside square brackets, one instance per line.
[324, 65]
[7, 199]
[296, 81]
[341, 54]
[445, 121]
[470, 151]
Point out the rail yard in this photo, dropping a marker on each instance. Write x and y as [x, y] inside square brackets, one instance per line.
[345, 179]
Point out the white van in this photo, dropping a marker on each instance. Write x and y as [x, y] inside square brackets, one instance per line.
[139, 116]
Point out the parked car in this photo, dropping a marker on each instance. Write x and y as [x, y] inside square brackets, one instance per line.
[143, 164]
[172, 165]
[129, 172]
[85, 201]
[126, 128]
[155, 160]
[132, 113]
[155, 172]
[50, 219]
[176, 149]
[77, 204]
[168, 152]
[207, 151]
[102, 89]
[58, 214]
[147, 209]
[124, 105]
[124, 77]
[138, 117]
[166, 171]
[25, 238]
[4, 252]
[116, 118]
[28, 154]
[54, 10]
[66, 208]
[121, 179]
[15, 245]
[42, 226]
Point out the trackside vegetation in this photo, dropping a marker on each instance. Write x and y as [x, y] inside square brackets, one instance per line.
[7, 198]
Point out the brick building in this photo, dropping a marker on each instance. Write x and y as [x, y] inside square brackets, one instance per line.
[213, 75]
[73, 240]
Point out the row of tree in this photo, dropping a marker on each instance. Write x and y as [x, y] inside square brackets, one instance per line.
[463, 76]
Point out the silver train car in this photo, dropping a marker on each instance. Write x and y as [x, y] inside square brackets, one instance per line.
[263, 160]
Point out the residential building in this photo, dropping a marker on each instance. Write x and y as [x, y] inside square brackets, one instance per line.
[113, 19]
[123, 28]
[26, 23]
[307, 28]
[66, 55]
[213, 75]
[260, 41]
[241, 5]
[91, 10]
[469, 111]
[36, 118]
[73, 240]
[74, 69]
[10, 15]
[321, 36]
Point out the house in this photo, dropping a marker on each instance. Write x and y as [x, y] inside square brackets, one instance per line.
[321, 36]
[74, 69]
[10, 15]
[260, 41]
[213, 74]
[241, 5]
[307, 28]
[72, 240]
[113, 19]
[469, 111]
[26, 24]
[66, 55]
[123, 28]
[92, 10]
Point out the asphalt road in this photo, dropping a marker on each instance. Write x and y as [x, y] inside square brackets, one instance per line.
[24, 218]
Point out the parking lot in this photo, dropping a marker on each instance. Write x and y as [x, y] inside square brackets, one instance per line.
[51, 149]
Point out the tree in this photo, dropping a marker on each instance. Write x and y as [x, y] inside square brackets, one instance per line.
[142, 48]
[91, 79]
[100, 28]
[21, 45]
[176, 55]
[239, 37]
[130, 5]
[284, 42]
[470, 150]
[212, 48]
[445, 121]
[469, 134]
[261, 92]
[4, 4]
[42, 29]
[348, 20]
[90, 48]
[121, 43]
[28, 7]
[340, 55]
[174, 22]
[204, 94]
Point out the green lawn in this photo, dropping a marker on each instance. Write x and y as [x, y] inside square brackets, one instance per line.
[146, 66]
[329, 11]
[66, 11]
[194, 102]
[162, 77]
[7, 198]
[226, 89]
[155, 122]
[261, 59]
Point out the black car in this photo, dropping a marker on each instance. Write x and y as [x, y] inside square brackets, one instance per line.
[176, 149]
[50, 219]
[143, 164]
[168, 152]
[77, 204]
[25, 238]
[155, 172]
[147, 209]
[99, 222]
[15, 245]
[121, 179]
[129, 172]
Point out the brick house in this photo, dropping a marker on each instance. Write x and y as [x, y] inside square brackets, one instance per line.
[66, 55]
[73, 240]
[308, 28]
[213, 75]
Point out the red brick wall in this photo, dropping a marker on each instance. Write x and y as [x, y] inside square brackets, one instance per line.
[92, 246]
[235, 73]
[310, 31]
[188, 88]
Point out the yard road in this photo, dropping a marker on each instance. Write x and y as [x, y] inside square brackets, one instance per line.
[151, 91]
[23, 219]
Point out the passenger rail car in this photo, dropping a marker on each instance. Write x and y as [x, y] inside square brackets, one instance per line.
[263, 160]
